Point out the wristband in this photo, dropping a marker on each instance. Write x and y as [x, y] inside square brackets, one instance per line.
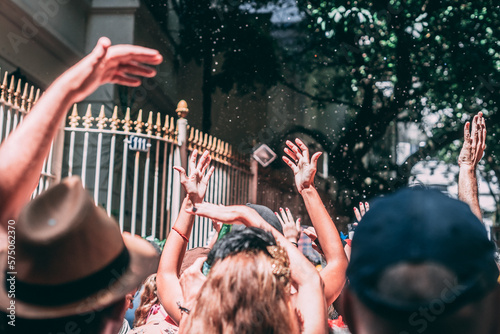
[182, 235]
[183, 309]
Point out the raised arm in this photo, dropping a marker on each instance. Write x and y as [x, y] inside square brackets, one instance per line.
[195, 185]
[304, 170]
[310, 300]
[470, 155]
[23, 153]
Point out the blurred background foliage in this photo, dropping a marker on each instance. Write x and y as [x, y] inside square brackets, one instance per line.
[431, 63]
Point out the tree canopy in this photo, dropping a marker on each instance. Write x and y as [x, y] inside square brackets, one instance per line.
[399, 61]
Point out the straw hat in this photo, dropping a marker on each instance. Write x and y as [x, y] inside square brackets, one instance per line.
[70, 257]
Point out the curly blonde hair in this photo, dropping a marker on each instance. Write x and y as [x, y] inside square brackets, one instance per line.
[243, 295]
[149, 298]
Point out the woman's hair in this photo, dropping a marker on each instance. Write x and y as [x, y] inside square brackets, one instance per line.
[149, 298]
[244, 293]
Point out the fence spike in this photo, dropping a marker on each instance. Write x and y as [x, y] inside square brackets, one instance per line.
[191, 137]
[17, 93]
[10, 91]
[30, 99]
[210, 143]
[3, 87]
[191, 134]
[149, 124]
[205, 141]
[196, 138]
[73, 118]
[219, 147]
[226, 152]
[115, 122]
[24, 97]
[101, 120]
[171, 130]
[165, 127]
[87, 119]
[139, 123]
[158, 125]
[216, 148]
[37, 96]
[127, 122]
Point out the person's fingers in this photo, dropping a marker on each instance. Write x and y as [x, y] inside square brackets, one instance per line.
[479, 146]
[290, 144]
[474, 123]
[310, 234]
[209, 174]
[192, 161]
[133, 53]
[316, 248]
[361, 209]
[182, 173]
[283, 216]
[294, 149]
[137, 70]
[125, 80]
[206, 164]
[303, 147]
[474, 133]
[298, 224]
[357, 214]
[467, 131]
[484, 138]
[101, 48]
[367, 206]
[291, 153]
[289, 163]
[315, 157]
[483, 131]
[217, 225]
[203, 161]
[281, 220]
[289, 215]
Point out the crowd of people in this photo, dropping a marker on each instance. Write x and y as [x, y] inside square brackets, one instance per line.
[419, 261]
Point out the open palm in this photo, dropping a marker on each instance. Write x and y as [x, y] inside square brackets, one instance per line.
[303, 169]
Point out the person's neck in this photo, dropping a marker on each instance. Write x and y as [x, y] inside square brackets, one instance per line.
[112, 326]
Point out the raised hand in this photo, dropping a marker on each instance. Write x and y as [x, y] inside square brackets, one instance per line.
[120, 64]
[474, 142]
[195, 184]
[363, 208]
[311, 234]
[303, 169]
[291, 229]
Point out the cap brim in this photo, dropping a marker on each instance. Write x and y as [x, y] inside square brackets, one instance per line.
[143, 262]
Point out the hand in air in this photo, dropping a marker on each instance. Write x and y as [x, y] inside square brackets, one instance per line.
[474, 142]
[195, 184]
[291, 229]
[304, 169]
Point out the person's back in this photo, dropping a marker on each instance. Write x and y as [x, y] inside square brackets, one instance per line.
[421, 263]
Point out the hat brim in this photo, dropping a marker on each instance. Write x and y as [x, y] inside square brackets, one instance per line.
[143, 262]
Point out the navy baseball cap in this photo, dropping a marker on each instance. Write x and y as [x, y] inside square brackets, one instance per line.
[421, 227]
